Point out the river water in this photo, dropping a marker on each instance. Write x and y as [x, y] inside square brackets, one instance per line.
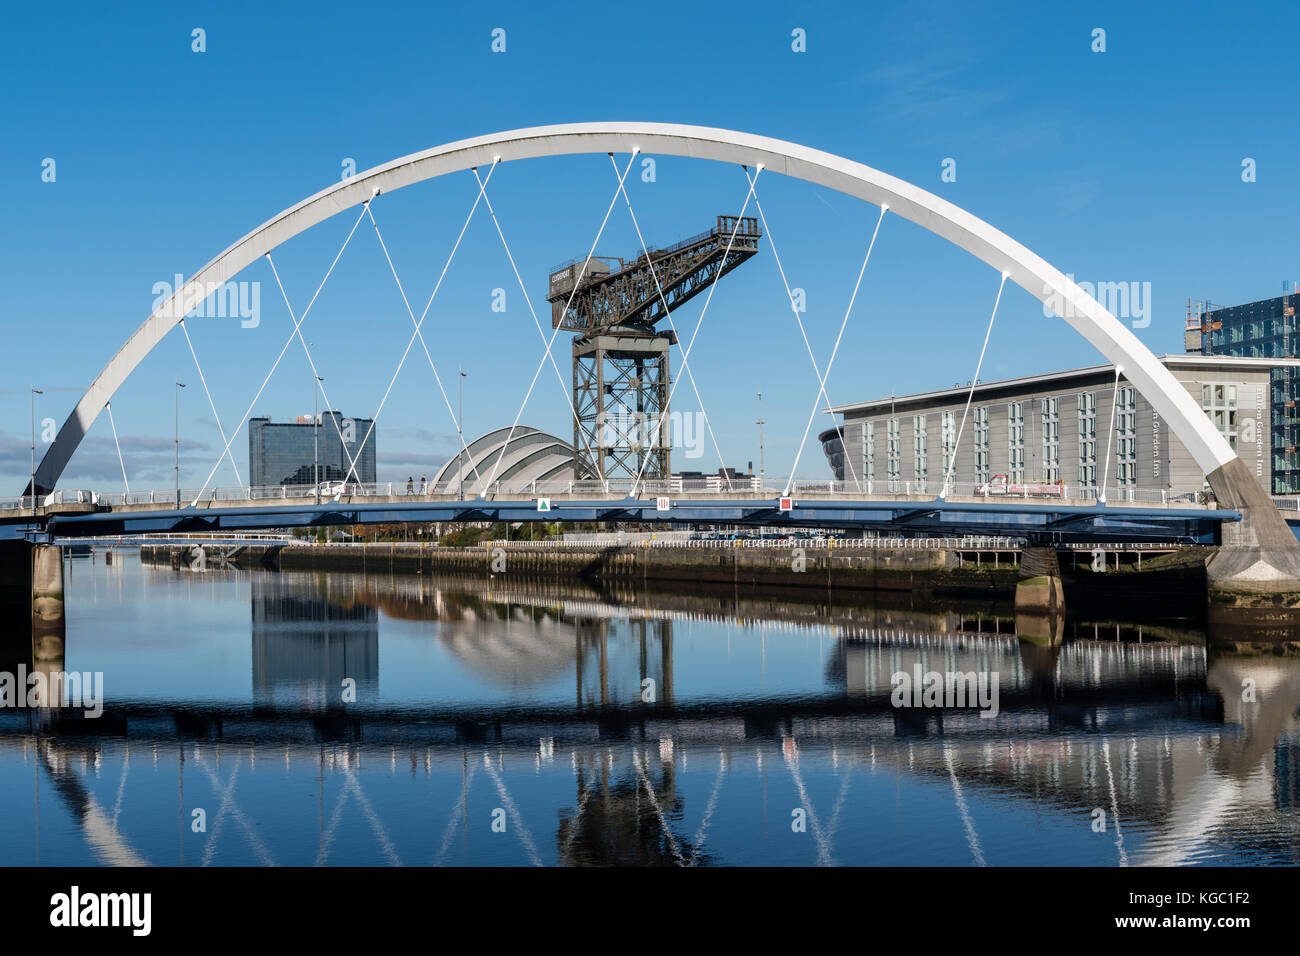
[299, 719]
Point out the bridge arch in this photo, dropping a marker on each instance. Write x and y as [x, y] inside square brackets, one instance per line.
[1084, 313]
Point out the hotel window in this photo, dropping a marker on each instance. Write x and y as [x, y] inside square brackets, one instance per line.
[895, 451]
[1126, 437]
[1016, 442]
[868, 450]
[982, 444]
[1051, 422]
[920, 463]
[948, 437]
[1220, 404]
[1088, 439]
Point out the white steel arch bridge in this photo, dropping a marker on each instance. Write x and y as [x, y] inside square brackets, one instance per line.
[1230, 479]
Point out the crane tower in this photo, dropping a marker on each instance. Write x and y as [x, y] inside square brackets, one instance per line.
[621, 374]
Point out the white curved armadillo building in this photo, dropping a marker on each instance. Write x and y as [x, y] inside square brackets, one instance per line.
[532, 455]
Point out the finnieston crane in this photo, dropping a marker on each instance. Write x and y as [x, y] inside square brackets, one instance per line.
[621, 376]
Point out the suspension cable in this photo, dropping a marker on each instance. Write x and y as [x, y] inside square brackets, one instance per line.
[418, 324]
[211, 404]
[297, 323]
[799, 321]
[319, 379]
[654, 274]
[1110, 434]
[952, 459]
[654, 436]
[554, 332]
[568, 397]
[831, 361]
[108, 406]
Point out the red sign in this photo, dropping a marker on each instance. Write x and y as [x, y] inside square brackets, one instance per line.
[787, 504]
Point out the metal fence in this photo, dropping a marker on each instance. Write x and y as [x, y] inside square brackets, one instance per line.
[743, 486]
[817, 541]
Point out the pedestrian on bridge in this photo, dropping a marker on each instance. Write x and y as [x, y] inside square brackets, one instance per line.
[410, 485]
[424, 484]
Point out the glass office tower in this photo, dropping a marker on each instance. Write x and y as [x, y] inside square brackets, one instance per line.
[1264, 329]
[284, 453]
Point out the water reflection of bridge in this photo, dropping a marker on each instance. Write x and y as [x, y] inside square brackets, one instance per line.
[311, 630]
[630, 798]
[1155, 733]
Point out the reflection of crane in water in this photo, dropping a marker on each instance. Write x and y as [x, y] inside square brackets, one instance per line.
[509, 637]
[1125, 727]
[1181, 787]
[627, 817]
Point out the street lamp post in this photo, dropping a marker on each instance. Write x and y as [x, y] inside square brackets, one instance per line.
[315, 436]
[176, 415]
[35, 391]
[759, 423]
[460, 434]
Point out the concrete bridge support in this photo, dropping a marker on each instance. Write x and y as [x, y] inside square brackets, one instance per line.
[1258, 563]
[1039, 588]
[47, 614]
[1040, 598]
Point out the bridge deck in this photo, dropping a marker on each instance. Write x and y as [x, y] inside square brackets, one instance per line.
[1058, 520]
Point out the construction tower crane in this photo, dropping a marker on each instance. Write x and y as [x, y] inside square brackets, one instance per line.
[621, 375]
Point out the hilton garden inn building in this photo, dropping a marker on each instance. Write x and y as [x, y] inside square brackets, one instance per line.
[1058, 429]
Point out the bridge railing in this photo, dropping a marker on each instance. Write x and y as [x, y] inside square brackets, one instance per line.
[61, 497]
[185, 537]
[710, 485]
[616, 538]
[1126, 546]
[662, 540]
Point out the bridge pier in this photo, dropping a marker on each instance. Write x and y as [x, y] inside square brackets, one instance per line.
[1039, 589]
[48, 632]
[1040, 598]
[1258, 561]
[31, 597]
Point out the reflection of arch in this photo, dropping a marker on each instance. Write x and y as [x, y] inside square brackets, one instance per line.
[98, 826]
[1220, 786]
[1210, 450]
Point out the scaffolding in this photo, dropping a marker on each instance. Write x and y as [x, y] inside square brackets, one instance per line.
[1197, 338]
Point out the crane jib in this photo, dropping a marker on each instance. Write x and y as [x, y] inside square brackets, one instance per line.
[640, 292]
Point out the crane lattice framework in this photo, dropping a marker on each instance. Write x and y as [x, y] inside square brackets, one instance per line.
[621, 373]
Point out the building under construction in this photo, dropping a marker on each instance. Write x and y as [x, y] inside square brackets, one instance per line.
[1264, 329]
[621, 374]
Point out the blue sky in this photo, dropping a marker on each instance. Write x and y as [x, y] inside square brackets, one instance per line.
[1117, 166]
